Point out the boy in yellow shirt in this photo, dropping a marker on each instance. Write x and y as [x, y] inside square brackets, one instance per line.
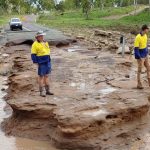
[141, 54]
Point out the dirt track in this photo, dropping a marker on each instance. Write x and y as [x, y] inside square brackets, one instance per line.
[135, 12]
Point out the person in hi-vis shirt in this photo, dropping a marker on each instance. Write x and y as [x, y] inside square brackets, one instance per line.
[141, 54]
[40, 54]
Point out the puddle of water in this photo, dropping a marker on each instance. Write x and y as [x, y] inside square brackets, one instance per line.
[80, 86]
[12, 143]
[107, 90]
[71, 50]
[95, 112]
[102, 102]
[5, 55]
[75, 48]
[73, 84]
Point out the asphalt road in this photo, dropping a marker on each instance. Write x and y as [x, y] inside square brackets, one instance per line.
[29, 30]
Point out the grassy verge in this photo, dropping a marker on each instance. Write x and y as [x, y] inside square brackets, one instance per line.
[142, 18]
[76, 19]
[4, 19]
[96, 13]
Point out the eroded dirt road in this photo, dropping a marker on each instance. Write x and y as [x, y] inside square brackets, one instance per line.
[96, 105]
[135, 12]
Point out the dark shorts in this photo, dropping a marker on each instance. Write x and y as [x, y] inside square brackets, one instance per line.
[44, 69]
[142, 52]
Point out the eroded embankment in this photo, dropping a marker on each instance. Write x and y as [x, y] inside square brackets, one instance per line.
[57, 42]
[95, 106]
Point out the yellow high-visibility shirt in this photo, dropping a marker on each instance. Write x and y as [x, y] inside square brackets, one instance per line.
[40, 48]
[141, 41]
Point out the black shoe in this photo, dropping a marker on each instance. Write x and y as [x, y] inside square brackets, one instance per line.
[49, 93]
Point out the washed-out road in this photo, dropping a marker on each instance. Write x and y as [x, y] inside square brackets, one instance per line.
[54, 37]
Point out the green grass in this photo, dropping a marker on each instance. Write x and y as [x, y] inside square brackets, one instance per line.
[76, 19]
[96, 13]
[142, 18]
[3, 20]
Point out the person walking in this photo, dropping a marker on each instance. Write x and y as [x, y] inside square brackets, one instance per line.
[141, 54]
[40, 54]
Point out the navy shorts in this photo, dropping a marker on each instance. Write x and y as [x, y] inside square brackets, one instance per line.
[141, 53]
[44, 69]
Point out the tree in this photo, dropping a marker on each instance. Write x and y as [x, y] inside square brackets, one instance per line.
[77, 3]
[149, 5]
[69, 4]
[47, 4]
[72, 4]
[17, 6]
[100, 3]
[3, 4]
[135, 5]
[60, 6]
[86, 6]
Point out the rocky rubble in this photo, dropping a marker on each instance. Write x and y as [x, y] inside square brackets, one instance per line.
[102, 39]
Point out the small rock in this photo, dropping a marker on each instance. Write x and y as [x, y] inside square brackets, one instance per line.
[105, 42]
[98, 97]
[80, 37]
[3, 89]
[102, 33]
[127, 76]
[127, 50]
[138, 138]
[96, 57]
[123, 135]
[84, 98]
[126, 63]
[113, 46]
[116, 32]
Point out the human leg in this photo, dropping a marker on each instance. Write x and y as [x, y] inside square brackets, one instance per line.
[41, 86]
[147, 66]
[47, 85]
[140, 66]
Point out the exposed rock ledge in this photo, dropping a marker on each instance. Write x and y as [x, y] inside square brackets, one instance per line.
[52, 42]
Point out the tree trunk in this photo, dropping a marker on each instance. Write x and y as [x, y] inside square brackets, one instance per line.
[135, 5]
[149, 5]
[102, 4]
[19, 8]
[87, 15]
[121, 3]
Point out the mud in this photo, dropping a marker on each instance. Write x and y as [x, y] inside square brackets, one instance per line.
[95, 106]
[16, 143]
